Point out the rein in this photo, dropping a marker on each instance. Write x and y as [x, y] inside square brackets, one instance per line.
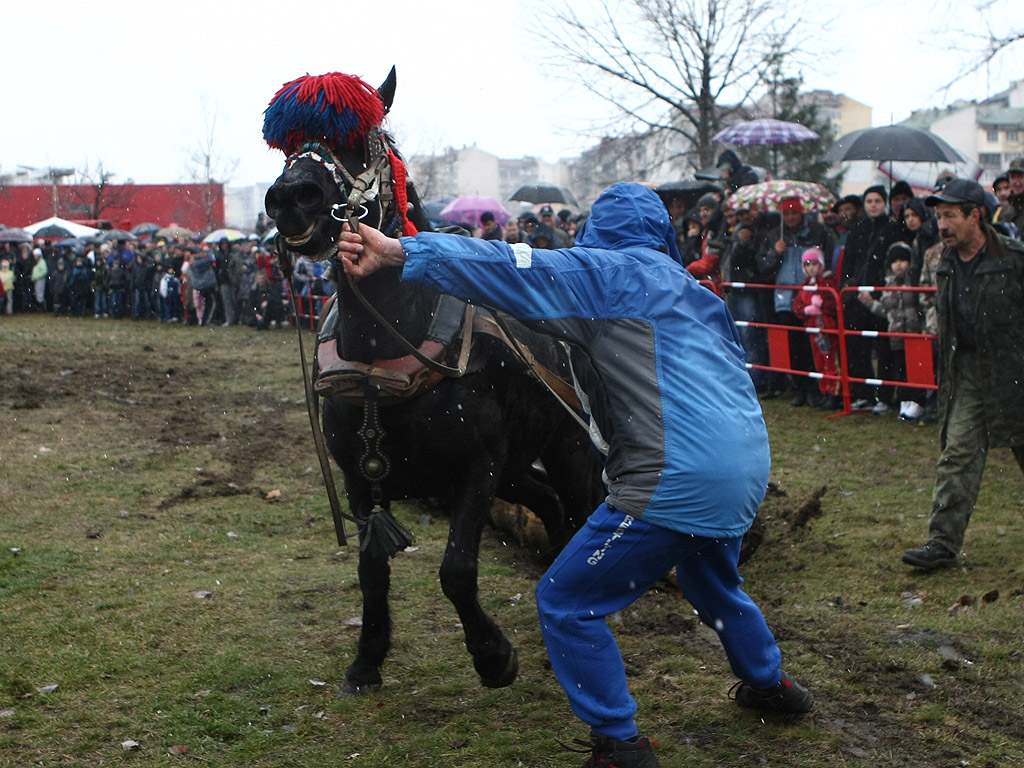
[314, 412]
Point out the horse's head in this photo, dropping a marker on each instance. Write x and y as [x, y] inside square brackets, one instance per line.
[303, 201]
[341, 164]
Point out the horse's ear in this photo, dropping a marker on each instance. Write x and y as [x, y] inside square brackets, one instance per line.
[387, 90]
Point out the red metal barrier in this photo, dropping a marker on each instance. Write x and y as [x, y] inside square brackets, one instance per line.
[308, 308]
[918, 347]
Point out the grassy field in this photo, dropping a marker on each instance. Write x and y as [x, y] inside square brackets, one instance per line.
[171, 590]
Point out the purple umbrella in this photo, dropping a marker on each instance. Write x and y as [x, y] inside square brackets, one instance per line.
[764, 132]
[467, 209]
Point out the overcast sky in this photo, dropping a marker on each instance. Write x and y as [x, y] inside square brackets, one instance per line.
[134, 86]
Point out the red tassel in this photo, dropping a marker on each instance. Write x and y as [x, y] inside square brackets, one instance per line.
[398, 175]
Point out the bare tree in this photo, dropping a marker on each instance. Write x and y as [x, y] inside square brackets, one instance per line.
[677, 67]
[94, 193]
[984, 36]
[207, 167]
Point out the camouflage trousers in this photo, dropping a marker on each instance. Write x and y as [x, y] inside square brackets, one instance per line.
[961, 464]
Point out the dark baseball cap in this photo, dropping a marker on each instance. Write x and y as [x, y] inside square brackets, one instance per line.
[958, 191]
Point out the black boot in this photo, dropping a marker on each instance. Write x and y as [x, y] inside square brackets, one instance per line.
[612, 753]
[931, 556]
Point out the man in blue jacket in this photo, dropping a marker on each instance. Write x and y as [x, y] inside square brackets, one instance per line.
[672, 406]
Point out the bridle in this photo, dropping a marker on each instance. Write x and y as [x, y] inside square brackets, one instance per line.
[374, 183]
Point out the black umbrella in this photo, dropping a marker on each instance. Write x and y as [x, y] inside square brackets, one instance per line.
[54, 232]
[114, 235]
[75, 244]
[689, 190]
[432, 208]
[892, 142]
[145, 229]
[545, 193]
[14, 235]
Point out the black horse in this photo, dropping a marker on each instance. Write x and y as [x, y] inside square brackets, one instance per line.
[460, 440]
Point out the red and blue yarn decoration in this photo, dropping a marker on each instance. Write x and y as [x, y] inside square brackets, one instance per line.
[333, 108]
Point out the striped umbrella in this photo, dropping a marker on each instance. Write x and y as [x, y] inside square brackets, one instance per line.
[765, 131]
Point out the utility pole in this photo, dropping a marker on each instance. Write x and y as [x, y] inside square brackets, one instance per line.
[55, 175]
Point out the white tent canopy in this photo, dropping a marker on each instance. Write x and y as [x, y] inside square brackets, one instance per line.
[76, 229]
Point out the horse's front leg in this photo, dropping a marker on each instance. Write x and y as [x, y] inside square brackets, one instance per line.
[363, 674]
[494, 658]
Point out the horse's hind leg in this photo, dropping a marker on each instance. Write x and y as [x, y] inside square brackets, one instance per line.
[494, 658]
[375, 636]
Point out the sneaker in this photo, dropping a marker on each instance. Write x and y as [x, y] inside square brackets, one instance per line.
[831, 403]
[799, 398]
[860, 405]
[612, 753]
[788, 697]
[931, 556]
[881, 408]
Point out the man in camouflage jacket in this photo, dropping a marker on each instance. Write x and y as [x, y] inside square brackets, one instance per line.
[980, 365]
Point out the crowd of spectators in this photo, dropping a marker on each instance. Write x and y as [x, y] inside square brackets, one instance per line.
[885, 238]
[785, 267]
[177, 281]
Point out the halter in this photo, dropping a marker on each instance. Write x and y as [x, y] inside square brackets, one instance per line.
[374, 183]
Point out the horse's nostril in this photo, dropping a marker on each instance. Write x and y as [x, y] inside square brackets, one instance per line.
[297, 197]
[271, 204]
[309, 197]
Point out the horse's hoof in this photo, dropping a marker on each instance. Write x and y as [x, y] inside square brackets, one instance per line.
[507, 677]
[350, 690]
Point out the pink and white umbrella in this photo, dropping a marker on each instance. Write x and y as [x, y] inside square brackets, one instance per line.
[764, 132]
[767, 195]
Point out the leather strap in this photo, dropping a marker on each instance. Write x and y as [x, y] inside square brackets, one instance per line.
[563, 391]
[467, 331]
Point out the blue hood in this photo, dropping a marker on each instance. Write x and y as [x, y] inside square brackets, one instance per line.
[629, 215]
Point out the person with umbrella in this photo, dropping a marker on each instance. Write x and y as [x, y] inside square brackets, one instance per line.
[674, 412]
[547, 216]
[40, 272]
[1015, 174]
[863, 263]
[980, 304]
[736, 173]
[491, 229]
[24, 295]
[841, 218]
[749, 305]
[781, 258]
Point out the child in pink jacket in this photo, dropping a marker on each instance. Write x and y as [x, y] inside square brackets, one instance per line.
[818, 310]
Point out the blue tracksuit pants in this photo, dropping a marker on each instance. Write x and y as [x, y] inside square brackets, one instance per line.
[612, 561]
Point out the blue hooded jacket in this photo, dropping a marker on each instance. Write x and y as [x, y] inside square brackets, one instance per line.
[656, 354]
